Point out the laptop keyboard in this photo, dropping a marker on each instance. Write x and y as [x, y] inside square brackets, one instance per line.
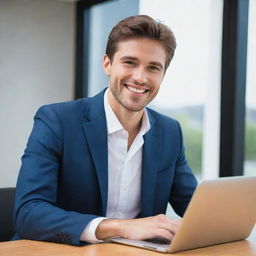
[158, 240]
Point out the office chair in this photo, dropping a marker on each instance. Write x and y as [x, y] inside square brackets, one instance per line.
[7, 196]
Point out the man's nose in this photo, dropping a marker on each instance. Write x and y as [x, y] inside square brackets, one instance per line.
[140, 75]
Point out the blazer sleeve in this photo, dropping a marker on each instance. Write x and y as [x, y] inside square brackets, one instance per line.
[184, 182]
[36, 215]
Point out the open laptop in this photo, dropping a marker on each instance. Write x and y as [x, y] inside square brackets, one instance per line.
[220, 211]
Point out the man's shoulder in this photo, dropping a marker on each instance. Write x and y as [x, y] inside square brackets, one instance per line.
[65, 108]
[73, 107]
[66, 105]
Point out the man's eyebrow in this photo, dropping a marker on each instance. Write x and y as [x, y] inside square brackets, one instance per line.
[151, 63]
[128, 58]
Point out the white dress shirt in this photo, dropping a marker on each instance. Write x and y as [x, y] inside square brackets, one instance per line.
[124, 172]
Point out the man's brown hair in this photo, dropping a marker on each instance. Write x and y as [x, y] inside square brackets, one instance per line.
[141, 26]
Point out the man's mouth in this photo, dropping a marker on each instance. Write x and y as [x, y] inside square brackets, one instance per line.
[133, 89]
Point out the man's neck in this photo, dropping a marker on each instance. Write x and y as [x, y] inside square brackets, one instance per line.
[130, 120]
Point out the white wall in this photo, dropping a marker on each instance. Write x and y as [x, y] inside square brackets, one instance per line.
[36, 68]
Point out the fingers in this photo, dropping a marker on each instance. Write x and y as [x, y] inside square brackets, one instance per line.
[164, 234]
[150, 227]
[171, 225]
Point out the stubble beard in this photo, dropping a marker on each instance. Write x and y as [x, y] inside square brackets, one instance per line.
[118, 98]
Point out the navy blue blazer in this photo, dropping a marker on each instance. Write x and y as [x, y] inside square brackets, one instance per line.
[63, 180]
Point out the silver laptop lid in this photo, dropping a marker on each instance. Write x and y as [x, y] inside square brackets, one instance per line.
[220, 211]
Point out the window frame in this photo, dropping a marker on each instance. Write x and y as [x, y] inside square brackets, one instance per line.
[233, 78]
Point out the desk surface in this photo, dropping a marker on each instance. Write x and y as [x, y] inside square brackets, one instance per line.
[35, 248]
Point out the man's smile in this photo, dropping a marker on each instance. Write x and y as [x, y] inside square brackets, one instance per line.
[135, 89]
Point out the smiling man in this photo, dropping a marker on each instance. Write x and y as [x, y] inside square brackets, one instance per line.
[108, 166]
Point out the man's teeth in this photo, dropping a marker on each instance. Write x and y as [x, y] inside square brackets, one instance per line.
[135, 89]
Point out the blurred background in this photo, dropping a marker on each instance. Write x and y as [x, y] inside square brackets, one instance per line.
[52, 51]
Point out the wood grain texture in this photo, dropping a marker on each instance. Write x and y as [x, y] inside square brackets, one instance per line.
[35, 248]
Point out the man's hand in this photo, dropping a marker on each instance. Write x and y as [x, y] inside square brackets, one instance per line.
[139, 229]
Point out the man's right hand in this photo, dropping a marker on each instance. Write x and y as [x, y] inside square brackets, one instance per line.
[139, 229]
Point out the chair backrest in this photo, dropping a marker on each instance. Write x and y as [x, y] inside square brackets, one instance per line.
[7, 196]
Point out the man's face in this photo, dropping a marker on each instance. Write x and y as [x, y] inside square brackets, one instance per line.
[135, 73]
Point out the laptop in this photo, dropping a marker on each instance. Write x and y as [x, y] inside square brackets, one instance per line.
[220, 211]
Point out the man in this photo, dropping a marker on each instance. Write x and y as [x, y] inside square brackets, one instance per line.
[107, 166]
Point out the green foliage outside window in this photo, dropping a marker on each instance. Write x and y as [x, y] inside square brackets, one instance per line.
[192, 136]
[191, 120]
[250, 141]
[193, 143]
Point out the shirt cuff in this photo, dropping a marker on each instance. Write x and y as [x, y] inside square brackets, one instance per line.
[88, 234]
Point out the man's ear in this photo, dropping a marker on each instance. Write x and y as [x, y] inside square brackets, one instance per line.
[107, 65]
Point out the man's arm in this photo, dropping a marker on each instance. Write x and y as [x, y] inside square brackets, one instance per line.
[37, 215]
[139, 229]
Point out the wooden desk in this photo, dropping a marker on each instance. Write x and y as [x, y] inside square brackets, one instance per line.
[34, 248]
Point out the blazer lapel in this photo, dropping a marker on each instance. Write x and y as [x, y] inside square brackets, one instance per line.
[151, 157]
[95, 130]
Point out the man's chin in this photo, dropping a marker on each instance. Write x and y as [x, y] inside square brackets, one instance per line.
[130, 105]
[134, 108]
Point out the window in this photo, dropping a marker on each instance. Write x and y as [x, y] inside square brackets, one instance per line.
[250, 125]
[100, 24]
[190, 91]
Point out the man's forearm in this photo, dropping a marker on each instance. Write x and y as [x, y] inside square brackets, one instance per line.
[109, 228]
[143, 228]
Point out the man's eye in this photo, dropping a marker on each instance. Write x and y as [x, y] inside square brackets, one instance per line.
[154, 68]
[129, 62]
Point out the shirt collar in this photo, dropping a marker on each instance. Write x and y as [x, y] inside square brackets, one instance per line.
[113, 124]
